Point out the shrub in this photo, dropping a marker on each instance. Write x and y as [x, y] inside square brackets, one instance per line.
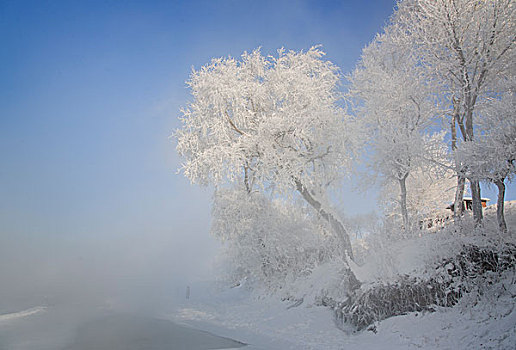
[469, 270]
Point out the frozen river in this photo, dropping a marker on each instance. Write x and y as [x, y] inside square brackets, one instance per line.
[42, 328]
[132, 332]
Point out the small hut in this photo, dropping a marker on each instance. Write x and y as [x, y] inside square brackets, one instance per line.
[467, 203]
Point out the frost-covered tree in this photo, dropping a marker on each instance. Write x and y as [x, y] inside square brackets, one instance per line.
[467, 45]
[269, 122]
[393, 98]
[268, 243]
[429, 187]
[492, 155]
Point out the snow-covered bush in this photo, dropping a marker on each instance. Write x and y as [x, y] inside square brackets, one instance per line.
[469, 271]
[270, 243]
[433, 270]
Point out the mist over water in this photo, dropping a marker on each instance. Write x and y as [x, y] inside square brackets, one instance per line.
[64, 282]
[135, 267]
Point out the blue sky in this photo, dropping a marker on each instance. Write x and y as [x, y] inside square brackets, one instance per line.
[90, 92]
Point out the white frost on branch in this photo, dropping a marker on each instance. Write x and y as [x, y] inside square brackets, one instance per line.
[275, 119]
[270, 122]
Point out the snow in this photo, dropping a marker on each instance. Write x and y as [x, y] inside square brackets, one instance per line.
[266, 323]
[486, 321]
[21, 314]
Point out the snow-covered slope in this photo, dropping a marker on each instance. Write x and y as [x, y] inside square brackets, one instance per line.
[266, 323]
[485, 321]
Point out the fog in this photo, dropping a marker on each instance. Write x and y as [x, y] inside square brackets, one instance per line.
[139, 270]
[93, 218]
[75, 277]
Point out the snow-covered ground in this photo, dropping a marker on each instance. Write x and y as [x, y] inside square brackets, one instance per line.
[477, 322]
[266, 323]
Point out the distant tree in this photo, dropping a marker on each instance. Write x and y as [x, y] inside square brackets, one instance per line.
[393, 99]
[429, 186]
[270, 122]
[492, 155]
[467, 45]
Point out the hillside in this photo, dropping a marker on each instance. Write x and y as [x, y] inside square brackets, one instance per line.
[483, 319]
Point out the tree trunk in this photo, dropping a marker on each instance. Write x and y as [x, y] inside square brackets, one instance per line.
[246, 179]
[475, 184]
[335, 223]
[403, 201]
[458, 205]
[500, 206]
[337, 227]
[477, 203]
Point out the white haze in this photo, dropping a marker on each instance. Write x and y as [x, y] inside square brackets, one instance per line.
[78, 277]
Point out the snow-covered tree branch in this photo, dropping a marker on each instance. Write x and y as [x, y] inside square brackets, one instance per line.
[466, 46]
[393, 97]
[268, 122]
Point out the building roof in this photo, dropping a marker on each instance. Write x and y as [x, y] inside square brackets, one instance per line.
[470, 199]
